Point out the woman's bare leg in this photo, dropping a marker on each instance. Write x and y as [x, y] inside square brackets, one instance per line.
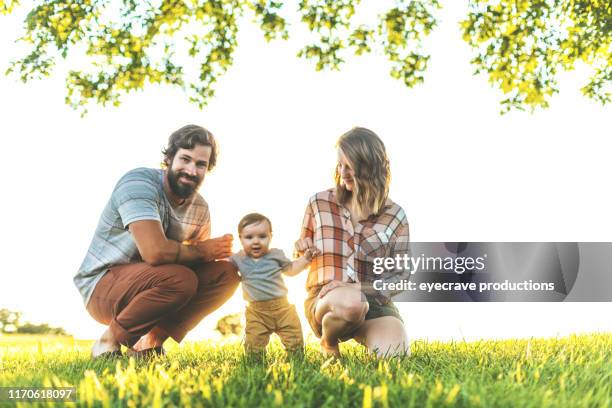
[386, 336]
[339, 312]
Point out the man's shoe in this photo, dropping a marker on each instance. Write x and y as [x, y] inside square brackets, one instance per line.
[109, 355]
[147, 353]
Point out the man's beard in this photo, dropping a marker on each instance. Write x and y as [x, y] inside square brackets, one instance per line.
[179, 189]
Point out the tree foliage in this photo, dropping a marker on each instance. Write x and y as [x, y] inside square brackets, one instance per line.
[229, 325]
[522, 44]
[10, 322]
[116, 47]
[6, 6]
[126, 44]
[44, 328]
[398, 33]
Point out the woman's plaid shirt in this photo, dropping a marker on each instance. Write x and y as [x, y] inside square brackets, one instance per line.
[347, 253]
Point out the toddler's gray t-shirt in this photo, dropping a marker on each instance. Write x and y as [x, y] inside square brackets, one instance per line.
[262, 279]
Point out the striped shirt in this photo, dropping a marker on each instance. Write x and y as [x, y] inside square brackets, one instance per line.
[139, 195]
[347, 253]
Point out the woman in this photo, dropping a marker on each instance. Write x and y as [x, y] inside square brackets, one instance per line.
[351, 225]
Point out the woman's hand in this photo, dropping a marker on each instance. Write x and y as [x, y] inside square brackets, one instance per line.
[301, 245]
[337, 284]
[311, 253]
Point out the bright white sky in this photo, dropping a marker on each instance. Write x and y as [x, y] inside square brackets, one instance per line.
[461, 171]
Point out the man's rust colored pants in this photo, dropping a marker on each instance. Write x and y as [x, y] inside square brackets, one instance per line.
[134, 298]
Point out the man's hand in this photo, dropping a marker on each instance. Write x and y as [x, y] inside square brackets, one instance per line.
[337, 284]
[215, 248]
[301, 245]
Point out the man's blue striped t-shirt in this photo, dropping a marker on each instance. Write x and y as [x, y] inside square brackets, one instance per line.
[139, 195]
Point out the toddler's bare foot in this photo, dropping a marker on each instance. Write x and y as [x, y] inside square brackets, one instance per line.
[329, 350]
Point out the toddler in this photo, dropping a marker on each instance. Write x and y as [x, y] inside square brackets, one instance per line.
[261, 271]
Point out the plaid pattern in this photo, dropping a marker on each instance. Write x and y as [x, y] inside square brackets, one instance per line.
[347, 253]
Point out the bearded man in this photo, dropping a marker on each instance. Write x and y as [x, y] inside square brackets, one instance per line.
[152, 271]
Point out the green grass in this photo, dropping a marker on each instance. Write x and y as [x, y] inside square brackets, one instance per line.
[574, 371]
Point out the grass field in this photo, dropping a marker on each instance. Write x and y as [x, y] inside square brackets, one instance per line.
[574, 371]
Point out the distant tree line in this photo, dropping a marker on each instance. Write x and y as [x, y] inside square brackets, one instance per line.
[10, 322]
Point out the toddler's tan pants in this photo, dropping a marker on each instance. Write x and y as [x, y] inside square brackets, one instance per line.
[272, 316]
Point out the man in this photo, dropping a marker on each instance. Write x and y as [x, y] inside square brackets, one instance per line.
[152, 271]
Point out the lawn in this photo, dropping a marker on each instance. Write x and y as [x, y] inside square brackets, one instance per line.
[574, 371]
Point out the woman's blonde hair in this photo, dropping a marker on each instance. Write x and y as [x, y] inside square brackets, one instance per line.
[367, 156]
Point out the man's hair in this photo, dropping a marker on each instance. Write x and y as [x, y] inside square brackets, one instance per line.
[189, 137]
[367, 156]
[252, 218]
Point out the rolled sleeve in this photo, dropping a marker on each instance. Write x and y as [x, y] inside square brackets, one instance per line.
[399, 246]
[307, 230]
[136, 201]
[138, 210]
